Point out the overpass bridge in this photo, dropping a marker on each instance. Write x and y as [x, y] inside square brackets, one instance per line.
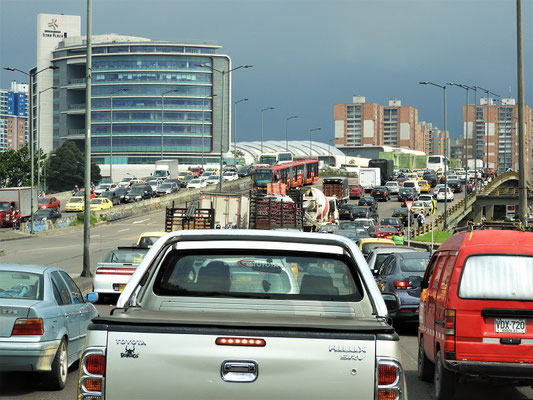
[501, 191]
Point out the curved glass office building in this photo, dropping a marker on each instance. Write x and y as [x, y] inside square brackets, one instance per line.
[150, 100]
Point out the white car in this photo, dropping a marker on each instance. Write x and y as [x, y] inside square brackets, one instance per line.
[103, 187]
[114, 271]
[393, 186]
[230, 176]
[437, 188]
[412, 184]
[419, 207]
[366, 222]
[212, 180]
[196, 183]
[426, 197]
[441, 195]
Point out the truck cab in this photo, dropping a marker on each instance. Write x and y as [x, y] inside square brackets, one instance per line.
[6, 212]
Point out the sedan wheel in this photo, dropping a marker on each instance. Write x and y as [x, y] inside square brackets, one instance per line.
[58, 375]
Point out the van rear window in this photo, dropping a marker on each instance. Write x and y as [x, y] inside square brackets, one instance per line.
[497, 277]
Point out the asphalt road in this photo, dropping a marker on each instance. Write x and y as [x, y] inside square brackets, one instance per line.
[64, 248]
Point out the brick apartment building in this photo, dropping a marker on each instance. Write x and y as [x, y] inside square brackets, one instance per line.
[370, 124]
[492, 132]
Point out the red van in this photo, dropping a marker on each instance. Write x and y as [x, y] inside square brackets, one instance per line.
[476, 311]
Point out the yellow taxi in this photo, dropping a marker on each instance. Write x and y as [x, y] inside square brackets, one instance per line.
[420, 175]
[147, 239]
[100, 203]
[424, 185]
[366, 245]
[183, 174]
[75, 204]
[412, 176]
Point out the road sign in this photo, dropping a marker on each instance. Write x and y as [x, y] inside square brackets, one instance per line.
[409, 204]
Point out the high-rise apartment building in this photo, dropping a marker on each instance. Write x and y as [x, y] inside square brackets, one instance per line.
[491, 133]
[13, 117]
[370, 124]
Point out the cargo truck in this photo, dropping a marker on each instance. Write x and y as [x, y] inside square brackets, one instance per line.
[369, 178]
[385, 166]
[336, 187]
[166, 169]
[13, 199]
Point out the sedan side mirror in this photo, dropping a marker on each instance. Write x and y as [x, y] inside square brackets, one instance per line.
[92, 297]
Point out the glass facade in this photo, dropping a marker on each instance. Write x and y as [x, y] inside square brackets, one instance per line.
[142, 80]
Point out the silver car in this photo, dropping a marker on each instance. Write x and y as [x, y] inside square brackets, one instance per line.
[43, 321]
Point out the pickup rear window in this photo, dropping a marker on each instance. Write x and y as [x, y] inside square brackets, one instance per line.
[497, 277]
[257, 276]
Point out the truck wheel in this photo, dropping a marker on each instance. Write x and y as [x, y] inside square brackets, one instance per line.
[426, 369]
[58, 375]
[444, 380]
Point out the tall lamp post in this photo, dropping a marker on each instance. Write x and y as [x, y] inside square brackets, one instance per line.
[111, 132]
[487, 93]
[203, 120]
[30, 131]
[443, 87]
[223, 73]
[310, 142]
[262, 111]
[39, 136]
[467, 89]
[287, 131]
[163, 115]
[235, 127]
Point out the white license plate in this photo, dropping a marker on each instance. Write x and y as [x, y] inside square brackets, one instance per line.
[505, 325]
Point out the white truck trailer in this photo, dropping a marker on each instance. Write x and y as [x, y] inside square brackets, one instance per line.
[166, 169]
[369, 178]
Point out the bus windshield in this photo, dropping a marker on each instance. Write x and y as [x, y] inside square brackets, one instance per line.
[262, 177]
[268, 159]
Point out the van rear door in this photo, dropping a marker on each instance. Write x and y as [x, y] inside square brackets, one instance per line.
[494, 310]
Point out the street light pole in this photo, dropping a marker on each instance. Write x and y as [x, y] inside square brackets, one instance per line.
[163, 115]
[111, 133]
[262, 111]
[287, 131]
[466, 88]
[310, 143]
[443, 87]
[30, 133]
[86, 271]
[223, 73]
[522, 156]
[39, 136]
[235, 127]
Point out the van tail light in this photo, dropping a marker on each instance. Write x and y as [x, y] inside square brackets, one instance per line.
[115, 271]
[402, 285]
[449, 330]
[92, 374]
[390, 381]
[28, 326]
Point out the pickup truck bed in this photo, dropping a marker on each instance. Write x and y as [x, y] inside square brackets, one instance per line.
[182, 346]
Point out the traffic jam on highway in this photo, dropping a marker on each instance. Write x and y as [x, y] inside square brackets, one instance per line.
[306, 276]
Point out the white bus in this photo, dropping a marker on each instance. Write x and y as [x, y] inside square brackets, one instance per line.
[437, 163]
[275, 158]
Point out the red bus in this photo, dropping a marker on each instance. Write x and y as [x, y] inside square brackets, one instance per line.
[293, 174]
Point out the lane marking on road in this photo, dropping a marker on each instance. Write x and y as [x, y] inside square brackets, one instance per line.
[124, 230]
[140, 222]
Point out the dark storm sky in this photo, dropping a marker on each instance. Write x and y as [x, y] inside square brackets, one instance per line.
[310, 54]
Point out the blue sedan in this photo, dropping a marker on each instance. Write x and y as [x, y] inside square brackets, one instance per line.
[399, 278]
[43, 321]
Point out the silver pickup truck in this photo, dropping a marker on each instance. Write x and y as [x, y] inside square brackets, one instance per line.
[242, 314]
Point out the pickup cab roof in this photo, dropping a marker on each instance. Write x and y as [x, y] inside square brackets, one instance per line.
[258, 240]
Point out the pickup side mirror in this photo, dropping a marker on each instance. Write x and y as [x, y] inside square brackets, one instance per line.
[92, 297]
